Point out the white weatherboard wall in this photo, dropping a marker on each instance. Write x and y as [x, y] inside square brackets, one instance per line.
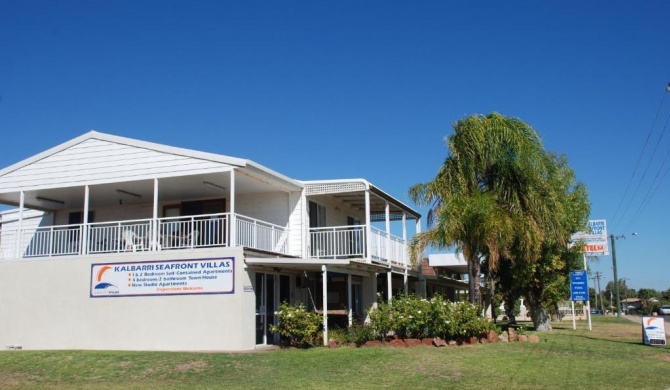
[46, 304]
[97, 160]
[271, 207]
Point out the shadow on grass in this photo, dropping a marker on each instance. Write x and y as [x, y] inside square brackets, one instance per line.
[630, 342]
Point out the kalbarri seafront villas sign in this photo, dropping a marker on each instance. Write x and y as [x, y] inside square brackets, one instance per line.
[595, 240]
[175, 277]
[653, 331]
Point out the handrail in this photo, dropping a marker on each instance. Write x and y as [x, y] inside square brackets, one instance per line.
[199, 231]
[193, 231]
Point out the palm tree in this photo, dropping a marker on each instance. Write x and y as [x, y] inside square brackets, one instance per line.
[489, 194]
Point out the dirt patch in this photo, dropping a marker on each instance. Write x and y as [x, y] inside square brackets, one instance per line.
[196, 366]
[17, 380]
[148, 372]
[443, 373]
[126, 364]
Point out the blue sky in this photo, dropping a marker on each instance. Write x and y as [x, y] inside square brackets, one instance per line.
[340, 89]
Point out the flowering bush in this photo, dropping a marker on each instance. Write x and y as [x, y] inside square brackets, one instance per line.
[409, 316]
[297, 326]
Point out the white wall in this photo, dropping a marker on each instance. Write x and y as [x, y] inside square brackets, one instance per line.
[46, 304]
[102, 161]
[296, 224]
[10, 225]
[271, 207]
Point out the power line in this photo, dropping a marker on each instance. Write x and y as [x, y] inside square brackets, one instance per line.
[635, 170]
[658, 179]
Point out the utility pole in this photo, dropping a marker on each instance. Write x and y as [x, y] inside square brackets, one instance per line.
[616, 280]
[595, 290]
[600, 292]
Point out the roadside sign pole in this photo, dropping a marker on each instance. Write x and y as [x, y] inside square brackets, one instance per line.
[579, 291]
[588, 302]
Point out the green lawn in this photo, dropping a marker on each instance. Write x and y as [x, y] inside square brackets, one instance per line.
[609, 357]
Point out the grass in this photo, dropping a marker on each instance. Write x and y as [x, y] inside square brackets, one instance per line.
[610, 357]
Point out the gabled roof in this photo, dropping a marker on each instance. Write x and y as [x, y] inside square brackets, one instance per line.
[92, 134]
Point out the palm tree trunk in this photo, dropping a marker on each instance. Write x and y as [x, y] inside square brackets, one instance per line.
[540, 315]
[509, 310]
[492, 302]
[474, 270]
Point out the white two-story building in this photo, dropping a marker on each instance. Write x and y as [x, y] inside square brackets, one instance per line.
[116, 243]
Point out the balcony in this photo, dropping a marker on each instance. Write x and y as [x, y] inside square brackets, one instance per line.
[198, 231]
[346, 242]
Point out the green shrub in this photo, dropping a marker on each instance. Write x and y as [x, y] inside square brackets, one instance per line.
[360, 333]
[381, 320]
[340, 335]
[409, 316]
[440, 318]
[297, 326]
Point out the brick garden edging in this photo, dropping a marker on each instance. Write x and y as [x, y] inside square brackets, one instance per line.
[491, 337]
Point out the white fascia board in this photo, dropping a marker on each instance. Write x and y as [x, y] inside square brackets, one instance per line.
[337, 181]
[293, 184]
[446, 260]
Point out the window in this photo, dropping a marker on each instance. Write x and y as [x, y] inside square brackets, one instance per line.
[317, 215]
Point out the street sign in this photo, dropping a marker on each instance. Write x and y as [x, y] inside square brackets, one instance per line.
[579, 287]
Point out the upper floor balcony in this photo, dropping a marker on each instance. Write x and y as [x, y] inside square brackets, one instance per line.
[100, 193]
[198, 231]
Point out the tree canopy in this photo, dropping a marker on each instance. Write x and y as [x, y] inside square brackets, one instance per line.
[500, 197]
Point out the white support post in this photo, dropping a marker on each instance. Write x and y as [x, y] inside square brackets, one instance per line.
[374, 290]
[83, 248]
[405, 255]
[324, 273]
[387, 218]
[389, 285]
[233, 219]
[588, 302]
[154, 230]
[574, 325]
[368, 228]
[349, 298]
[19, 233]
[304, 221]
[404, 239]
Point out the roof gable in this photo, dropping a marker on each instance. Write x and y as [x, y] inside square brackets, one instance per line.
[97, 157]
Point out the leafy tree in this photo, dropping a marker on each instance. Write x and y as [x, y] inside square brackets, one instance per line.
[666, 295]
[550, 270]
[646, 296]
[481, 192]
[500, 197]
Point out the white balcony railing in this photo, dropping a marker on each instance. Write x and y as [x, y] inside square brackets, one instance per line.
[198, 231]
[350, 241]
[254, 233]
[337, 242]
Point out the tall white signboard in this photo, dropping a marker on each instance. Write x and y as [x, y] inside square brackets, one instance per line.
[595, 240]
